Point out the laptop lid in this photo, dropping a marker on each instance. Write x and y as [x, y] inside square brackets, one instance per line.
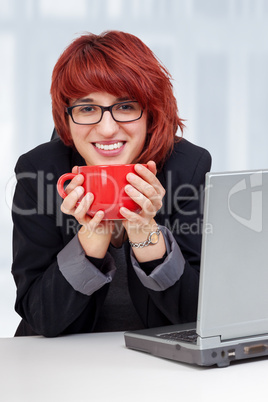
[233, 296]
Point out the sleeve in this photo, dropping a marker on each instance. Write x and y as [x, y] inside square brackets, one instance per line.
[80, 271]
[170, 290]
[49, 299]
[167, 273]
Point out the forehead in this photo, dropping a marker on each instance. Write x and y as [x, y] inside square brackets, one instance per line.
[102, 98]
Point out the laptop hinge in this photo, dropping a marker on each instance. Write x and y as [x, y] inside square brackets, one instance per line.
[245, 338]
[211, 341]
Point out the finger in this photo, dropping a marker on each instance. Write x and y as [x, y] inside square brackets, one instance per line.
[148, 207]
[147, 176]
[84, 205]
[75, 169]
[97, 226]
[132, 219]
[152, 167]
[76, 181]
[96, 220]
[141, 193]
[153, 191]
[68, 205]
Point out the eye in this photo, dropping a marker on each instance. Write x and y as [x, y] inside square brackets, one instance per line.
[127, 107]
[87, 109]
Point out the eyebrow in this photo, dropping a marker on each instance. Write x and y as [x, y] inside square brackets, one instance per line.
[83, 100]
[90, 100]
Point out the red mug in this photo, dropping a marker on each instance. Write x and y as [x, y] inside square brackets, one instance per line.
[106, 183]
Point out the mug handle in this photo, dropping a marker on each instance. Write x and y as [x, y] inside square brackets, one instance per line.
[61, 181]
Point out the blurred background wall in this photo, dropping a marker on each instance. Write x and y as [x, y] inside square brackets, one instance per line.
[216, 51]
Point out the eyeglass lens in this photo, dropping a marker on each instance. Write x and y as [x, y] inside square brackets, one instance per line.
[121, 112]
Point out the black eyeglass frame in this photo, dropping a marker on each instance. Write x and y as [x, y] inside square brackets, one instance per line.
[69, 111]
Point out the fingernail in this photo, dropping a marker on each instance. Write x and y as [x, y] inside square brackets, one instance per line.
[131, 176]
[79, 190]
[89, 196]
[128, 188]
[100, 213]
[123, 210]
[138, 167]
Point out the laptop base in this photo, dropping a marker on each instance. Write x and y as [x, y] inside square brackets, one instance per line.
[149, 341]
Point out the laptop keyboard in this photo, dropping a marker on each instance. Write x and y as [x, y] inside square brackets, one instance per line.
[183, 336]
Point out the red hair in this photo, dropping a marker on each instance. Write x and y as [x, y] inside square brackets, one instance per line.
[120, 64]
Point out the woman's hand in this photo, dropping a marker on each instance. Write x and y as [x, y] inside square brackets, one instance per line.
[146, 190]
[94, 234]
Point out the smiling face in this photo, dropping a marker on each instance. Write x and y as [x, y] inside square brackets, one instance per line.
[108, 142]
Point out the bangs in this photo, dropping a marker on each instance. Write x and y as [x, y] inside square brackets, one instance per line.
[92, 71]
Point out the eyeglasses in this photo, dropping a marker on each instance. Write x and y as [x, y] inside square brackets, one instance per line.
[121, 112]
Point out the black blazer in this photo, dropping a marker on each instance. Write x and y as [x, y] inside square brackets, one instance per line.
[47, 303]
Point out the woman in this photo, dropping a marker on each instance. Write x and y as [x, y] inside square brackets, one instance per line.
[79, 274]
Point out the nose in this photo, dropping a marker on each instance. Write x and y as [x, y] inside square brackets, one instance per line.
[107, 126]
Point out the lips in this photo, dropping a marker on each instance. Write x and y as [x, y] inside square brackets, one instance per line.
[109, 147]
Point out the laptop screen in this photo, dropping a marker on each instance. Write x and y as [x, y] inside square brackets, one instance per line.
[233, 296]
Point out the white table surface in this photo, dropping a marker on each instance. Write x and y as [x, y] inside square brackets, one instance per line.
[98, 367]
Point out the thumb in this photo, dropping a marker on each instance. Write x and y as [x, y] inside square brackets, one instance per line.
[75, 169]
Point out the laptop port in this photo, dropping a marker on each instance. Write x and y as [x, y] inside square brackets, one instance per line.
[255, 349]
[231, 354]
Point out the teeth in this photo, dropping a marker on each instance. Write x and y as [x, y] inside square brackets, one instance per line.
[109, 147]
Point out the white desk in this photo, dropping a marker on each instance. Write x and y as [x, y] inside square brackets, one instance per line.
[98, 367]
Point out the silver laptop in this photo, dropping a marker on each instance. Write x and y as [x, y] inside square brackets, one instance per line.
[232, 318]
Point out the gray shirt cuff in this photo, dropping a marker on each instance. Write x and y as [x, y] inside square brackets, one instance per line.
[82, 275]
[166, 274]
